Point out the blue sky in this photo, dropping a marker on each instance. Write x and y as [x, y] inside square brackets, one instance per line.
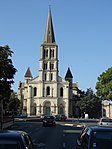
[83, 32]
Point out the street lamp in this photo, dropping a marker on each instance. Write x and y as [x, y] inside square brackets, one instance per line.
[1, 100]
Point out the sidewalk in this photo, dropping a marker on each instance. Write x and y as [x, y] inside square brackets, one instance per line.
[7, 122]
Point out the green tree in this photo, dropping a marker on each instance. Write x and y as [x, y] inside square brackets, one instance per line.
[14, 103]
[7, 72]
[104, 85]
[90, 103]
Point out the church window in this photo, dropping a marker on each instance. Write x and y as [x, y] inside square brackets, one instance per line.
[45, 53]
[51, 53]
[45, 76]
[45, 66]
[61, 92]
[51, 76]
[48, 91]
[35, 91]
[51, 66]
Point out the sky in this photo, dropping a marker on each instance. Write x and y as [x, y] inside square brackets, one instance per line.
[83, 33]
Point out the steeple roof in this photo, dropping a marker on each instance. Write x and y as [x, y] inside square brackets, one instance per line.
[49, 33]
[68, 74]
[28, 73]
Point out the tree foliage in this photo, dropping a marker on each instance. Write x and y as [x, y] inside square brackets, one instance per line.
[14, 103]
[104, 85]
[89, 103]
[7, 72]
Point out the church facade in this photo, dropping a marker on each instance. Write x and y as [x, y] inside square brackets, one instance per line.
[47, 93]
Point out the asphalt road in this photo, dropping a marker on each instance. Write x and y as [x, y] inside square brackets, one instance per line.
[63, 136]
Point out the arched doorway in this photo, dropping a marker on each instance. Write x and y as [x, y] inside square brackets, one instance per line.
[47, 108]
[34, 109]
[61, 110]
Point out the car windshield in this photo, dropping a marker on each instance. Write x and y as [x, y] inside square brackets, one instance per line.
[9, 144]
[102, 140]
[107, 120]
[49, 117]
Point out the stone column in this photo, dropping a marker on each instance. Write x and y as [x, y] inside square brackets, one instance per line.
[29, 101]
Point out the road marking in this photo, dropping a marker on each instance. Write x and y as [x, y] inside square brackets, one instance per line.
[68, 124]
[71, 131]
[64, 145]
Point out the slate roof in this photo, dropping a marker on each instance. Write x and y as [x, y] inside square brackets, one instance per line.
[28, 73]
[68, 74]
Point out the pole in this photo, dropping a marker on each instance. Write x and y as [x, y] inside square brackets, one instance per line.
[1, 112]
[102, 108]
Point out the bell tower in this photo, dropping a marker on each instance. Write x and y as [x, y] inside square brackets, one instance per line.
[48, 70]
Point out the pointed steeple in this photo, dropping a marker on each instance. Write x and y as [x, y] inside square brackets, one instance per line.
[28, 73]
[49, 33]
[68, 74]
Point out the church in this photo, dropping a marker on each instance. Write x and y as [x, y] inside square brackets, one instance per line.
[47, 93]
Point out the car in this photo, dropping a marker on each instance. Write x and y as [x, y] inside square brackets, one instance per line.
[105, 121]
[12, 139]
[20, 116]
[49, 121]
[60, 117]
[95, 137]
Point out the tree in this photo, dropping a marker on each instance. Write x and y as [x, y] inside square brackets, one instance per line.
[7, 72]
[14, 103]
[104, 85]
[89, 103]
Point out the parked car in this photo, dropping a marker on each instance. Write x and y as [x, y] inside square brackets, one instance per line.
[21, 116]
[95, 137]
[60, 117]
[105, 121]
[15, 140]
[49, 121]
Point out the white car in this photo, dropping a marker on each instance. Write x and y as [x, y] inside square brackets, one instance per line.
[105, 122]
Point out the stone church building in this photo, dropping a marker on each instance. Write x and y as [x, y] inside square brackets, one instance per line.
[48, 93]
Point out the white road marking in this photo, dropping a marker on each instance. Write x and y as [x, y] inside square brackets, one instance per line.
[68, 124]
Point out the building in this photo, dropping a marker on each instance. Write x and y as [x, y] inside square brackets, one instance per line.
[107, 108]
[47, 93]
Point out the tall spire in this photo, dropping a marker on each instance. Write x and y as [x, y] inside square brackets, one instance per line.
[49, 33]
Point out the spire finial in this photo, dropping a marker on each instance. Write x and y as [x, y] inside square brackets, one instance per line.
[49, 7]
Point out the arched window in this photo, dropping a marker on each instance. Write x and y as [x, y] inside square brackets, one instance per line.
[61, 92]
[45, 53]
[35, 91]
[48, 91]
[51, 76]
[51, 66]
[52, 53]
[45, 76]
[45, 65]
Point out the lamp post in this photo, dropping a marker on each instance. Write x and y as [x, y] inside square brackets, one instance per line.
[1, 101]
[102, 109]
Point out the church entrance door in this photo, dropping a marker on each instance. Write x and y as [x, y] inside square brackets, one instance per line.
[47, 108]
[47, 111]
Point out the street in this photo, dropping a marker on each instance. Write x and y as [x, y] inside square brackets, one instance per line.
[63, 136]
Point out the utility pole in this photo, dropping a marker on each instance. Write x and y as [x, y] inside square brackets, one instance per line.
[1, 100]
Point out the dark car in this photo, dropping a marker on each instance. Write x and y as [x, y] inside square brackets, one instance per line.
[60, 117]
[15, 140]
[49, 121]
[95, 137]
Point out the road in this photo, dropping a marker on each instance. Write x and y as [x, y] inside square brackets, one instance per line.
[63, 136]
